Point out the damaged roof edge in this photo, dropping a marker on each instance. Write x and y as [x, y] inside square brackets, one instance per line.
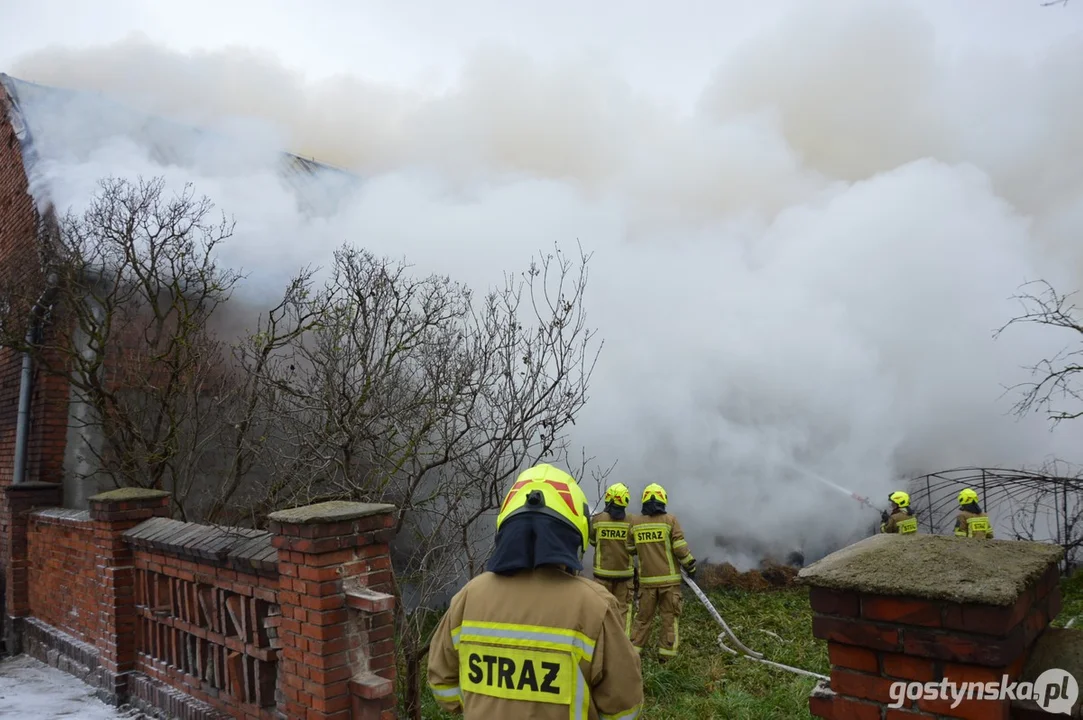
[15, 115]
[293, 167]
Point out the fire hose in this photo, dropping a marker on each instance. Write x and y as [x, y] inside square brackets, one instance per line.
[745, 651]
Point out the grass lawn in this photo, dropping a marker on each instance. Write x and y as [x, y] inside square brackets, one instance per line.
[703, 682]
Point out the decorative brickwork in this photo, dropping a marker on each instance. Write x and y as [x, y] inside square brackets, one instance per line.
[337, 627]
[190, 621]
[967, 611]
[208, 630]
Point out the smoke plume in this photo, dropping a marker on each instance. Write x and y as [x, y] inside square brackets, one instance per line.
[800, 279]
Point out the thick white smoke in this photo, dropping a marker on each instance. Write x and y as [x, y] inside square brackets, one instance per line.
[802, 278]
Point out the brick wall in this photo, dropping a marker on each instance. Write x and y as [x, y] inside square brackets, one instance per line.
[63, 572]
[959, 611]
[197, 621]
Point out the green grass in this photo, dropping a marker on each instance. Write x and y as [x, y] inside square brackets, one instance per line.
[703, 682]
[1072, 602]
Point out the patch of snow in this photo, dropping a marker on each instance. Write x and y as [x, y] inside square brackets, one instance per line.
[31, 690]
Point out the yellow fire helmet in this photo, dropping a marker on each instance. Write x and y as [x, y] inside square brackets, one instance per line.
[618, 494]
[654, 491]
[547, 489]
[900, 498]
[968, 496]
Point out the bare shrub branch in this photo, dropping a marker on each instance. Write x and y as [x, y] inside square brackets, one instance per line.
[1056, 376]
[376, 384]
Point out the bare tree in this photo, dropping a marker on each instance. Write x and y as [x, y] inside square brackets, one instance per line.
[1056, 376]
[137, 284]
[377, 386]
[409, 392]
[158, 399]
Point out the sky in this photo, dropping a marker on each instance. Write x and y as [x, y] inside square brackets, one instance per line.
[807, 219]
[671, 53]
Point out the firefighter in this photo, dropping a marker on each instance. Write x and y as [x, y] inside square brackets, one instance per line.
[613, 566]
[658, 541]
[971, 521]
[901, 520]
[531, 637]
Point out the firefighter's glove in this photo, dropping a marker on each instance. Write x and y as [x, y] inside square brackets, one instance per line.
[690, 568]
[883, 516]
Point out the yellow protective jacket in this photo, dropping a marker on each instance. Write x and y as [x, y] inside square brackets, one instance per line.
[539, 644]
[612, 561]
[975, 525]
[659, 543]
[900, 522]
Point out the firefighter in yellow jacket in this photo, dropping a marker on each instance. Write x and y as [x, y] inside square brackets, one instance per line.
[658, 541]
[613, 566]
[901, 520]
[971, 521]
[530, 637]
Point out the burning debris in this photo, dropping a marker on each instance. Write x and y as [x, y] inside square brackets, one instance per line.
[724, 576]
[768, 554]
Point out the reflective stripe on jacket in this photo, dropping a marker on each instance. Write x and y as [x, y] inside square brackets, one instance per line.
[659, 543]
[609, 538]
[968, 524]
[543, 638]
[900, 522]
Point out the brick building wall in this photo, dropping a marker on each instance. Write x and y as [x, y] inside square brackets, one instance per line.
[20, 263]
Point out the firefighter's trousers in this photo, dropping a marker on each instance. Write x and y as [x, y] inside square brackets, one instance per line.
[622, 590]
[667, 602]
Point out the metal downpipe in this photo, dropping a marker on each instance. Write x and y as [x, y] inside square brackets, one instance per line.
[22, 427]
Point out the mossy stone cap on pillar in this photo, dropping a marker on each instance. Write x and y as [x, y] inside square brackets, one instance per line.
[333, 511]
[935, 567]
[129, 494]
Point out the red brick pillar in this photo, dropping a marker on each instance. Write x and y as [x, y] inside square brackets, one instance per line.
[928, 609]
[19, 501]
[337, 626]
[112, 513]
